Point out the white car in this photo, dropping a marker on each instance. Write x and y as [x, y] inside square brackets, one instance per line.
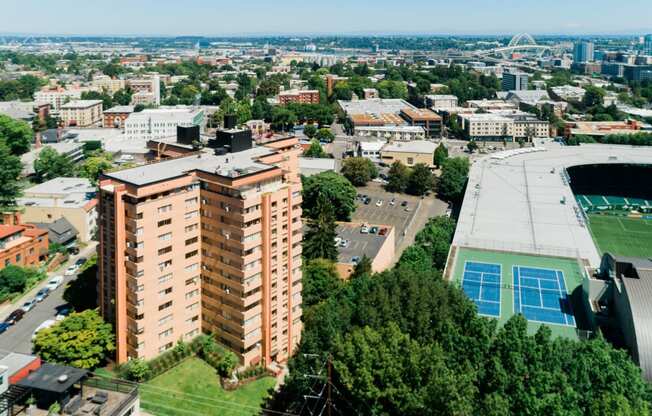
[54, 283]
[70, 271]
[45, 324]
[379, 203]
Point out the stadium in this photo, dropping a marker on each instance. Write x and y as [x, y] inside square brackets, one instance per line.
[535, 223]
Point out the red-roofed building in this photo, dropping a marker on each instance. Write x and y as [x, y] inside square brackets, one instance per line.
[21, 244]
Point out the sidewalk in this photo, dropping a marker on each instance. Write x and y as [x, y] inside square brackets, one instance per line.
[7, 308]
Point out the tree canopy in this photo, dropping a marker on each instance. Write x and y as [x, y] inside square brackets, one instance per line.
[10, 170]
[16, 134]
[50, 164]
[359, 170]
[81, 340]
[335, 188]
[319, 239]
[452, 181]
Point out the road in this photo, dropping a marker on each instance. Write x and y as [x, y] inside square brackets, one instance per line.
[18, 337]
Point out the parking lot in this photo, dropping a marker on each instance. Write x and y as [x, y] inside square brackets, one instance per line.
[399, 215]
[358, 244]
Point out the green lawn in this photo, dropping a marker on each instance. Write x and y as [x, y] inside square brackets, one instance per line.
[572, 276]
[193, 388]
[622, 236]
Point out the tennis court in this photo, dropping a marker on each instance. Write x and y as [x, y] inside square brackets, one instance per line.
[481, 283]
[541, 295]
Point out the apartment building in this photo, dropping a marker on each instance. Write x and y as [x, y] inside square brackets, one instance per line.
[115, 117]
[486, 126]
[423, 117]
[153, 124]
[82, 113]
[56, 97]
[108, 84]
[299, 97]
[69, 198]
[21, 244]
[209, 242]
[513, 81]
[146, 90]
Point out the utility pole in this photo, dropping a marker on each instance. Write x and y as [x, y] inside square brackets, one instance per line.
[329, 403]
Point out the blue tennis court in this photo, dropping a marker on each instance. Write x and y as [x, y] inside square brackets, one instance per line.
[540, 295]
[481, 283]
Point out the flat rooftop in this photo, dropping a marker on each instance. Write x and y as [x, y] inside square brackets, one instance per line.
[375, 106]
[59, 192]
[231, 165]
[513, 200]
[81, 103]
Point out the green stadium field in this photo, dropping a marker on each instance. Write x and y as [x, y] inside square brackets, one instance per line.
[572, 275]
[622, 236]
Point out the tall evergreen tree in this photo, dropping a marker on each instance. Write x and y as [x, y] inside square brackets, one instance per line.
[319, 240]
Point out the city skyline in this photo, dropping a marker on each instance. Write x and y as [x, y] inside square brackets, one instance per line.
[416, 17]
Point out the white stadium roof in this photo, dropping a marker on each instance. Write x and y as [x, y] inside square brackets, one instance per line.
[513, 200]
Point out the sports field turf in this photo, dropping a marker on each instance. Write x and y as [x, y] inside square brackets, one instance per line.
[622, 236]
[504, 264]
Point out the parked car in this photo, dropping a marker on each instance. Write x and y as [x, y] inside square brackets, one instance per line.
[367, 201]
[29, 305]
[344, 243]
[408, 209]
[3, 327]
[42, 294]
[392, 202]
[44, 324]
[379, 203]
[15, 316]
[54, 283]
[62, 314]
[70, 271]
[373, 230]
[382, 231]
[73, 250]
[404, 204]
[364, 230]
[80, 261]
[355, 259]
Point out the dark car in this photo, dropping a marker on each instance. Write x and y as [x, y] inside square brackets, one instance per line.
[73, 250]
[80, 261]
[15, 316]
[404, 204]
[3, 327]
[367, 201]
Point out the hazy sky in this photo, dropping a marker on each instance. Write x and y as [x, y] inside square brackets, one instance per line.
[218, 17]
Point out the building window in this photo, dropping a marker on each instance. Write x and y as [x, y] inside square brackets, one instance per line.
[164, 208]
[191, 254]
[165, 319]
[191, 241]
[165, 278]
[165, 305]
[164, 250]
[165, 237]
[163, 223]
[165, 291]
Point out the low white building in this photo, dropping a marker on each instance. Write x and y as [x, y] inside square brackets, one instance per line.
[392, 133]
[370, 149]
[162, 122]
[441, 102]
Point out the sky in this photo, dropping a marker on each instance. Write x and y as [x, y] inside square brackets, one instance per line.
[354, 17]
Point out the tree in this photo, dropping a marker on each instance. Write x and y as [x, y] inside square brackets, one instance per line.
[81, 293]
[335, 188]
[81, 340]
[325, 135]
[420, 181]
[310, 130]
[319, 239]
[594, 96]
[441, 153]
[435, 239]
[136, 370]
[472, 146]
[14, 279]
[416, 258]
[10, 170]
[320, 281]
[123, 96]
[50, 164]
[359, 170]
[397, 177]
[455, 172]
[315, 150]
[16, 134]
[362, 268]
[94, 165]
[107, 100]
